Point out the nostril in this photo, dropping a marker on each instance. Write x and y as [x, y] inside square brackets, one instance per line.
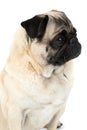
[73, 40]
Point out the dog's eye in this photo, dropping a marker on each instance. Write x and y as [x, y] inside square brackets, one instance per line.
[57, 42]
[60, 40]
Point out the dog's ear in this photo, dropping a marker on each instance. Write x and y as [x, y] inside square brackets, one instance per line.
[36, 26]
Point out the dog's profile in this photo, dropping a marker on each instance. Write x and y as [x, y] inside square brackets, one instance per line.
[38, 75]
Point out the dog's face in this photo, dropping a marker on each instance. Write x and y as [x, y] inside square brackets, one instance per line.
[53, 38]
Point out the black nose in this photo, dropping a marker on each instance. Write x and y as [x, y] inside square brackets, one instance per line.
[74, 47]
[73, 40]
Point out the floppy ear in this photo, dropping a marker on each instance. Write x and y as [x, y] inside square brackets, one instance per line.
[35, 27]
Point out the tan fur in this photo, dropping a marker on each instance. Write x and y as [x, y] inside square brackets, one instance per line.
[33, 94]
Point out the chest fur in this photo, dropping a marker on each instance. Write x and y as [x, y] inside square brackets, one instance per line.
[47, 97]
[48, 90]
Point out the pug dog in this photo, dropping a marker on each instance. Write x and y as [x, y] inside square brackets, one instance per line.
[38, 76]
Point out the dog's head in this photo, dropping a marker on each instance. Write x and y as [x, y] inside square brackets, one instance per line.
[53, 38]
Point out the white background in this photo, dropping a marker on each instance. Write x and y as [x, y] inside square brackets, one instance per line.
[12, 13]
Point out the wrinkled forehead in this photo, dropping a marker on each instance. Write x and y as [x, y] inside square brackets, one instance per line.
[60, 21]
[54, 13]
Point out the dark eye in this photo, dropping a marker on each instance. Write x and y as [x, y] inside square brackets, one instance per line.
[60, 40]
[57, 42]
